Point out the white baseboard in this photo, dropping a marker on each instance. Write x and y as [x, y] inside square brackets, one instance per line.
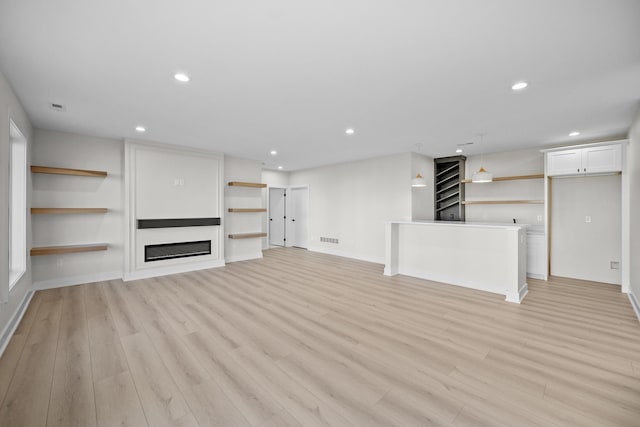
[256, 255]
[517, 297]
[13, 323]
[634, 303]
[77, 280]
[172, 269]
[345, 254]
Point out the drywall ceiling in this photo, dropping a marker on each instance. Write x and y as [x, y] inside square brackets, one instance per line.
[292, 75]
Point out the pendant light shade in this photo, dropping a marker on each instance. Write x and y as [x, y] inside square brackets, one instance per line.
[482, 175]
[418, 181]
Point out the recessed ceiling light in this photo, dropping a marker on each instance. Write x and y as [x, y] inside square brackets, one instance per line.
[279, 167]
[140, 129]
[459, 150]
[519, 85]
[574, 133]
[181, 77]
[273, 152]
[350, 131]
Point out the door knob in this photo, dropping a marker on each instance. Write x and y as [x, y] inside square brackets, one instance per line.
[293, 220]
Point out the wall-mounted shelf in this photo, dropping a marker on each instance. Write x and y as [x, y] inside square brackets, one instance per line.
[247, 210]
[64, 171]
[247, 184]
[37, 211]
[511, 178]
[247, 235]
[54, 250]
[502, 202]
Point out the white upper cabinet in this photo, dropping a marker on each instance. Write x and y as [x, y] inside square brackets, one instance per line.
[585, 161]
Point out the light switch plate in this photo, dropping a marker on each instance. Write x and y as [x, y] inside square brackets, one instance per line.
[587, 219]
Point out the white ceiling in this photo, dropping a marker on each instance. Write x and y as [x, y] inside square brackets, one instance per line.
[292, 75]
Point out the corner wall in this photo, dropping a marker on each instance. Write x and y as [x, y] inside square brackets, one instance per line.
[10, 108]
[67, 150]
[633, 169]
[352, 201]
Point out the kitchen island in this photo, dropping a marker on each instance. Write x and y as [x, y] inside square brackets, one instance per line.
[486, 257]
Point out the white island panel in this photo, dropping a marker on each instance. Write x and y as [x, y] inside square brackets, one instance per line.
[486, 257]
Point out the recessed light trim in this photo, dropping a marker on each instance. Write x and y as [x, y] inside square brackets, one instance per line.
[519, 85]
[141, 129]
[181, 77]
[273, 152]
[280, 168]
[574, 133]
[350, 131]
[459, 150]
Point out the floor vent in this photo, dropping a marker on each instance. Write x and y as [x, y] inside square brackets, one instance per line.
[329, 240]
[176, 250]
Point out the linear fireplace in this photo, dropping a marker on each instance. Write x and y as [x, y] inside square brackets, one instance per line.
[176, 250]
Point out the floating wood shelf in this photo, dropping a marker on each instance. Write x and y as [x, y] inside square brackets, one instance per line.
[502, 202]
[247, 235]
[511, 178]
[247, 210]
[54, 250]
[247, 184]
[36, 211]
[64, 171]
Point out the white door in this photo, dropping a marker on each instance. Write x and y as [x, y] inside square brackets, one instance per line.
[297, 216]
[277, 216]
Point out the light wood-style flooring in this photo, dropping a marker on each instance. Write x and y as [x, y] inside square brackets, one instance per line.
[306, 339]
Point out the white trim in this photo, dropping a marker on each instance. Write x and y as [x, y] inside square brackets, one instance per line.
[14, 321]
[244, 257]
[172, 269]
[345, 254]
[635, 304]
[594, 144]
[518, 296]
[77, 280]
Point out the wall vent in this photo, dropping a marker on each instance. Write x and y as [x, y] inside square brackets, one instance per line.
[57, 107]
[329, 240]
[176, 250]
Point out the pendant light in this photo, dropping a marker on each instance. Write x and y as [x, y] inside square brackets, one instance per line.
[418, 181]
[482, 175]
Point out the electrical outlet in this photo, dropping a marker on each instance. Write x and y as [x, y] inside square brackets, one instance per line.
[587, 219]
[60, 262]
[539, 218]
[615, 265]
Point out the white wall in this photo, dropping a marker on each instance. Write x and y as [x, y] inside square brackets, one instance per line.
[352, 201]
[60, 149]
[10, 108]
[584, 250]
[633, 171]
[237, 169]
[510, 163]
[422, 197]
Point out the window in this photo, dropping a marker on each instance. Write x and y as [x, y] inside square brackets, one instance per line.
[17, 205]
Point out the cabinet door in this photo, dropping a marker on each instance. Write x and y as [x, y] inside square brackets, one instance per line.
[607, 158]
[535, 256]
[567, 162]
